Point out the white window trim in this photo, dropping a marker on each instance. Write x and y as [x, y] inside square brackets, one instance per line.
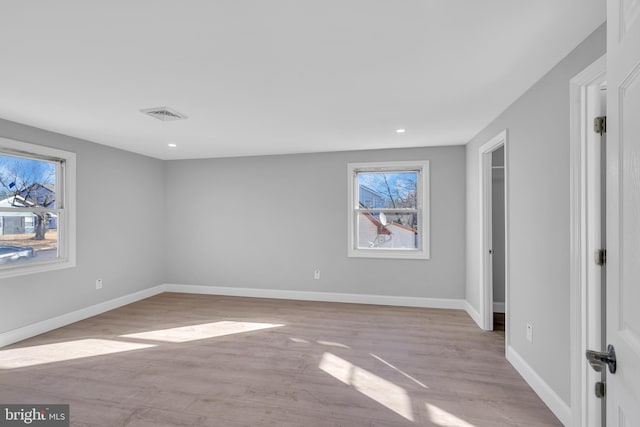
[66, 185]
[423, 251]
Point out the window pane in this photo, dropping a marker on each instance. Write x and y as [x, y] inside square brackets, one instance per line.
[394, 190]
[26, 183]
[387, 230]
[28, 236]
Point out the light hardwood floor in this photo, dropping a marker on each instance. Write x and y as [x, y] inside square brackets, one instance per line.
[196, 360]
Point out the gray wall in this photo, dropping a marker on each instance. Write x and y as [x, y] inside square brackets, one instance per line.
[120, 200]
[538, 175]
[268, 222]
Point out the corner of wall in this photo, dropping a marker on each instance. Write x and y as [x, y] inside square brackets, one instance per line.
[473, 313]
[550, 398]
[29, 331]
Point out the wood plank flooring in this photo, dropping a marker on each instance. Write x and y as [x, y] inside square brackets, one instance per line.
[196, 360]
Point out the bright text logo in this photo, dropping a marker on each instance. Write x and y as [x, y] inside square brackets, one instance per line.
[34, 415]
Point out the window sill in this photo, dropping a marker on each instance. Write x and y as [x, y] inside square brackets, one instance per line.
[387, 254]
[40, 267]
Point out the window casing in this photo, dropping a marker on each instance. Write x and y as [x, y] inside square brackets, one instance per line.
[397, 224]
[37, 208]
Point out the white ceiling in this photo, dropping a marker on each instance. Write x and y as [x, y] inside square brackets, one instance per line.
[278, 76]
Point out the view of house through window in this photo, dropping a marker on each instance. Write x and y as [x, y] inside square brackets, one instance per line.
[28, 213]
[397, 225]
[388, 210]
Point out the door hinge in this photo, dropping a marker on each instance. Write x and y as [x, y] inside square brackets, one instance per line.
[601, 257]
[600, 124]
[600, 390]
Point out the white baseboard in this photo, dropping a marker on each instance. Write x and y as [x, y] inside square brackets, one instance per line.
[47, 325]
[473, 313]
[16, 335]
[546, 393]
[458, 304]
[498, 307]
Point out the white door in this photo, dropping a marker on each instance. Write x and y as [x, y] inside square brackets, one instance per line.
[623, 210]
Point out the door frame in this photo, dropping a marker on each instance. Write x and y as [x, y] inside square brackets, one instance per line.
[581, 324]
[486, 263]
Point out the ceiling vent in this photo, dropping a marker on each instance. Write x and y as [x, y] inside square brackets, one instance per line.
[165, 114]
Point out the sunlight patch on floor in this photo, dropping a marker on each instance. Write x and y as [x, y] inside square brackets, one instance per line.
[63, 351]
[400, 371]
[382, 391]
[443, 418]
[200, 332]
[332, 344]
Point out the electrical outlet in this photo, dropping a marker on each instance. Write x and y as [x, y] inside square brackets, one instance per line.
[98, 283]
[316, 274]
[529, 333]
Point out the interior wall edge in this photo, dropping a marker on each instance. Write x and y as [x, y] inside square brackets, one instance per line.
[550, 398]
[400, 301]
[29, 331]
[473, 313]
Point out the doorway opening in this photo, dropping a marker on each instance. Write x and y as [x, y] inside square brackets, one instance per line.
[498, 238]
[494, 234]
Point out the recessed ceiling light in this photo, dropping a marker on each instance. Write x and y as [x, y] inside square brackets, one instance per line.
[400, 130]
[172, 145]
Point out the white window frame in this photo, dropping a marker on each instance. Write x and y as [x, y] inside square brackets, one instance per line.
[65, 206]
[422, 210]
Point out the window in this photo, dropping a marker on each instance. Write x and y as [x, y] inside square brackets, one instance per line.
[388, 210]
[37, 194]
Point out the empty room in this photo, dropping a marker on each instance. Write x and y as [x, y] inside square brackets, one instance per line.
[306, 213]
